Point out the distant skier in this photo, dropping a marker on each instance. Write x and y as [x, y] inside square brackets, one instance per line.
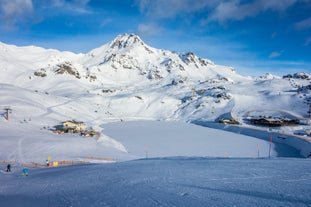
[47, 163]
[8, 168]
[25, 171]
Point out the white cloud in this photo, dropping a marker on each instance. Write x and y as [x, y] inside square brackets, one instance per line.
[15, 11]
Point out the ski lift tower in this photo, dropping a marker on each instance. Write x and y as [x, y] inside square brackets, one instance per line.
[8, 110]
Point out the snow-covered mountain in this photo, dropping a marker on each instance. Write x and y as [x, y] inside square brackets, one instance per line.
[126, 79]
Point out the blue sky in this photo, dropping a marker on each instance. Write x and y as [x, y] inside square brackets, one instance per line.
[254, 36]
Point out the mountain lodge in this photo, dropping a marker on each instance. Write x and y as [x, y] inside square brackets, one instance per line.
[274, 121]
[72, 126]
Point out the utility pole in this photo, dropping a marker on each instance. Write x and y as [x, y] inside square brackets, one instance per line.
[7, 111]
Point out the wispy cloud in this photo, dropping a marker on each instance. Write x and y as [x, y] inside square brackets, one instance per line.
[173, 8]
[304, 24]
[14, 12]
[148, 29]
[308, 42]
[215, 10]
[105, 22]
[73, 2]
[236, 10]
[233, 11]
[275, 5]
[78, 6]
[58, 3]
[275, 54]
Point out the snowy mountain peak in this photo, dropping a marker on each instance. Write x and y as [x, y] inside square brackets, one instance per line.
[301, 75]
[117, 49]
[191, 58]
[125, 41]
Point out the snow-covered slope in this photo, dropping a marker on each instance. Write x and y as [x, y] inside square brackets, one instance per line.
[163, 182]
[126, 80]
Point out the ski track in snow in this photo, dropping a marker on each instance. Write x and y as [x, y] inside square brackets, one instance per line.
[20, 149]
[165, 182]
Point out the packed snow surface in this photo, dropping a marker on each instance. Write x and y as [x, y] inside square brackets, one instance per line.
[164, 182]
